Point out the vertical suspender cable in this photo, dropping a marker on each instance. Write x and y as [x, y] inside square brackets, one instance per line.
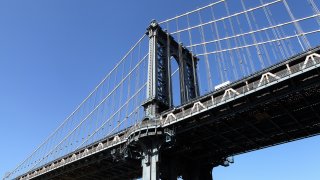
[208, 70]
[259, 34]
[276, 32]
[315, 10]
[253, 36]
[278, 43]
[178, 34]
[121, 93]
[252, 68]
[220, 59]
[234, 69]
[297, 25]
[299, 41]
[238, 53]
[189, 33]
[288, 41]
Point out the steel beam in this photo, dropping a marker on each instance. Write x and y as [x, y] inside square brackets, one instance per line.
[150, 161]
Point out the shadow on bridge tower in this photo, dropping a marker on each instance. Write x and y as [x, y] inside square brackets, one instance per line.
[162, 50]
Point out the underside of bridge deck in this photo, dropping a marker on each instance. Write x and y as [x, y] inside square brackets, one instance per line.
[281, 113]
[100, 166]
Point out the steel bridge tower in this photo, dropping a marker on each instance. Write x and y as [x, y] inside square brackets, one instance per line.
[162, 49]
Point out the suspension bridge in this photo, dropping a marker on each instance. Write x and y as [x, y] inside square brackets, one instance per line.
[195, 90]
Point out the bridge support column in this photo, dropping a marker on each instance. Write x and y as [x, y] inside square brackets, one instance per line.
[150, 162]
[169, 169]
[197, 171]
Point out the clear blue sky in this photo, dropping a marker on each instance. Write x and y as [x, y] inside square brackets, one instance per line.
[54, 52]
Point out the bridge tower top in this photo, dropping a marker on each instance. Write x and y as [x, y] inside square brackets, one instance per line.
[163, 48]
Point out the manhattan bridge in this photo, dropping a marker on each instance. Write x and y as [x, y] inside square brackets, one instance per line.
[195, 90]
